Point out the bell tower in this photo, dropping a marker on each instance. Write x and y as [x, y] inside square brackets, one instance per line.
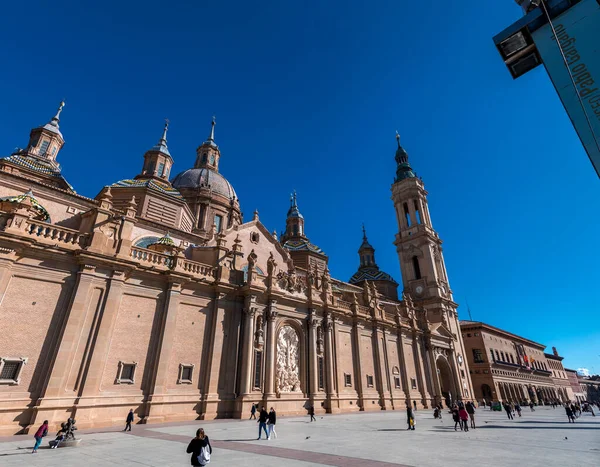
[424, 278]
[419, 247]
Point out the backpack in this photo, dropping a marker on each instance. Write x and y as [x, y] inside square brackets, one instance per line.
[204, 457]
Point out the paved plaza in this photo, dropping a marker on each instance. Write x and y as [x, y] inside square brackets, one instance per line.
[540, 438]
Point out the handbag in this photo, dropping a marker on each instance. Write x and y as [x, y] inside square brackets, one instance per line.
[204, 456]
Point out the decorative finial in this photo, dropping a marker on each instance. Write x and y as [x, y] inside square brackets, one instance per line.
[398, 138]
[293, 199]
[164, 135]
[364, 232]
[56, 118]
[211, 137]
[255, 217]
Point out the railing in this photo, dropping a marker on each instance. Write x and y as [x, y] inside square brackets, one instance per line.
[343, 304]
[192, 267]
[365, 310]
[151, 258]
[56, 233]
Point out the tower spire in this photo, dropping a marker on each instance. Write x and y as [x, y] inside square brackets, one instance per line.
[364, 232]
[211, 136]
[54, 121]
[163, 139]
[403, 170]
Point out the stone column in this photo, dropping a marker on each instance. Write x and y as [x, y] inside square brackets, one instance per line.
[158, 391]
[213, 369]
[91, 384]
[383, 373]
[271, 350]
[420, 372]
[313, 357]
[247, 345]
[456, 374]
[329, 358]
[87, 406]
[358, 377]
[404, 365]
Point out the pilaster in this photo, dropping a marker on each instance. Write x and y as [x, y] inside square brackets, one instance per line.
[270, 348]
[158, 391]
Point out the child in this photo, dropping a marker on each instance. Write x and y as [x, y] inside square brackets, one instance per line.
[464, 418]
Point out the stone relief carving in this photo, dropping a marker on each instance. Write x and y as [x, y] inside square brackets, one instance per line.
[259, 334]
[288, 360]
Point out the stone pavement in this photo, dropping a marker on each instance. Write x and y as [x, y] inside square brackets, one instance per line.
[379, 439]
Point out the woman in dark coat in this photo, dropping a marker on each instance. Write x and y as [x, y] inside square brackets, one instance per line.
[456, 417]
[196, 445]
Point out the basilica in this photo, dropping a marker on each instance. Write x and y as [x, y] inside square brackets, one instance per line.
[158, 295]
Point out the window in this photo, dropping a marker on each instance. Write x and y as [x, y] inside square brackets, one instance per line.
[185, 373]
[478, 356]
[218, 223]
[212, 159]
[492, 354]
[295, 229]
[497, 356]
[512, 360]
[462, 373]
[397, 383]
[321, 373]
[204, 158]
[369, 381]
[53, 150]
[476, 334]
[151, 166]
[468, 335]
[257, 368]
[416, 267]
[406, 214]
[413, 383]
[161, 169]
[43, 147]
[347, 380]
[502, 355]
[254, 237]
[126, 373]
[10, 370]
[417, 214]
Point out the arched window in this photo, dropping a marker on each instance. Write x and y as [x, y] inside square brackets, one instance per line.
[295, 229]
[406, 214]
[416, 267]
[144, 242]
[417, 213]
[204, 158]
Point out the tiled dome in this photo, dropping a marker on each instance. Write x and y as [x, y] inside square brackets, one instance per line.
[204, 177]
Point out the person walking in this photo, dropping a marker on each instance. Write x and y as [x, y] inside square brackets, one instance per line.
[471, 411]
[569, 412]
[311, 412]
[200, 448]
[410, 417]
[464, 418]
[531, 406]
[253, 412]
[272, 417]
[39, 434]
[263, 416]
[518, 409]
[456, 417]
[508, 410]
[129, 420]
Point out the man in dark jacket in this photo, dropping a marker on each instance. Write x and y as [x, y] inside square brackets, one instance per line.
[253, 412]
[471, 411]
[129, 420]
[262, 422]
[311, 412]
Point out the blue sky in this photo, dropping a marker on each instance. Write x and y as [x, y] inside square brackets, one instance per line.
[308, 96]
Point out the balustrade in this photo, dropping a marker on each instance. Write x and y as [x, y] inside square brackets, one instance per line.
[60, 235]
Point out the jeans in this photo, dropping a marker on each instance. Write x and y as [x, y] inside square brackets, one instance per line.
[262, 426]
[272, 430]
[38, 441]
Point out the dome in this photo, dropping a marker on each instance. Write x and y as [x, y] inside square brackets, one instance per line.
[204, 177]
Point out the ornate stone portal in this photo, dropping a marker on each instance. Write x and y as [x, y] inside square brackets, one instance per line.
[288, 372]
